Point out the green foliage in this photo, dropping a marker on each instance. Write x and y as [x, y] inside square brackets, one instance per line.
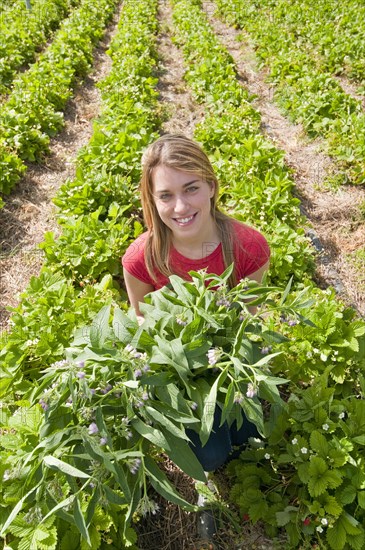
[11, 169]
[89, 247]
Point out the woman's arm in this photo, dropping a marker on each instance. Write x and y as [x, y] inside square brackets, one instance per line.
[136, 290]
[258, 275]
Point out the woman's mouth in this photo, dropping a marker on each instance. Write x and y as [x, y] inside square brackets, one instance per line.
[184, 221]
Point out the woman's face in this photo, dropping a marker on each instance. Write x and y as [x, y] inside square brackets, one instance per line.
[183, 202]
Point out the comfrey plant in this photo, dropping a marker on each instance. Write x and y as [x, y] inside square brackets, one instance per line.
[99, 419]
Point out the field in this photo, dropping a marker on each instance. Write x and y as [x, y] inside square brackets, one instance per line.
[92, 441]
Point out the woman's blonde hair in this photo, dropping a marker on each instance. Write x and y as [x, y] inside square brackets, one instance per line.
[180, 153]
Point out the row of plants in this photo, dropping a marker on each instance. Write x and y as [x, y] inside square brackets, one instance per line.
[33, 111]
[24, 33]
[76, 281]
[307, 93]
[308, 474]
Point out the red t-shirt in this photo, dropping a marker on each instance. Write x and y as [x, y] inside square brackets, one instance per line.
[251, 252]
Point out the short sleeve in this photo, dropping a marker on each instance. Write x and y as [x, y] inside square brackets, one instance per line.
[251, 250]
[133, 260]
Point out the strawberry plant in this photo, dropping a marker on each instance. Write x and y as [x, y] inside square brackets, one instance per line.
[108, 168]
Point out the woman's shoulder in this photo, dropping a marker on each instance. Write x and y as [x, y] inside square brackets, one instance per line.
[251, 248]
[135, 251]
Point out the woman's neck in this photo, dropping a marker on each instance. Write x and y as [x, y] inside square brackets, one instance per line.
[198, 248]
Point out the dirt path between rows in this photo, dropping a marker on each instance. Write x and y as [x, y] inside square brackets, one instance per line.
[337, 221]
[29, 212]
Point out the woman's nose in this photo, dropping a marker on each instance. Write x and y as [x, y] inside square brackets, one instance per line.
[181, 204]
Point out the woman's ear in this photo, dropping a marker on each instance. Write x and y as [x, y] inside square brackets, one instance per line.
[212, 189]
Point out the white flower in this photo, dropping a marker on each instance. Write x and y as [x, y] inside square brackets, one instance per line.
[93, 429]
[309, 354]
[7, 475]
[320, 529]
[251, 391]
[181, 322]
[325, 427]
[324, 521]
[304, 450]
[32, 342]
[267, 456]
[213, 356]
[148, 506]
[341, 415]
[324, 357]
[294, 441]
[60, 364]
[315, 350]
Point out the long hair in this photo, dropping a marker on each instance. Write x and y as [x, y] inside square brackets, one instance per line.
[180, 153]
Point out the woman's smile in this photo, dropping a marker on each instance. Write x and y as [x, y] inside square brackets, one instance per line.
[185, 221]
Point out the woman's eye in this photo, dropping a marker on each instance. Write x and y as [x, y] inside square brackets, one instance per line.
[165, 197]
[192, 189]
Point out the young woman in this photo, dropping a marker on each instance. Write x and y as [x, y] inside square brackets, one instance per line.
[187, 231]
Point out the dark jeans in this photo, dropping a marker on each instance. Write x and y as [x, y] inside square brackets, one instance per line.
[218, 448]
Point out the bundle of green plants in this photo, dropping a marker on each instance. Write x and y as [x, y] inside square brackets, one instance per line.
[89, 430]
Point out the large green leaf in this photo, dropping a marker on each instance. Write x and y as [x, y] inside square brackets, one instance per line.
[253, 410]
[336, 536]
[183, 456]
[210, 401]
[80, 521]
[152, 434]
[162, 485]
[100, 327]
[122, 326]
[319, 443]
[61, 466]
[185, 417]
[181, 291]
[165, 422]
